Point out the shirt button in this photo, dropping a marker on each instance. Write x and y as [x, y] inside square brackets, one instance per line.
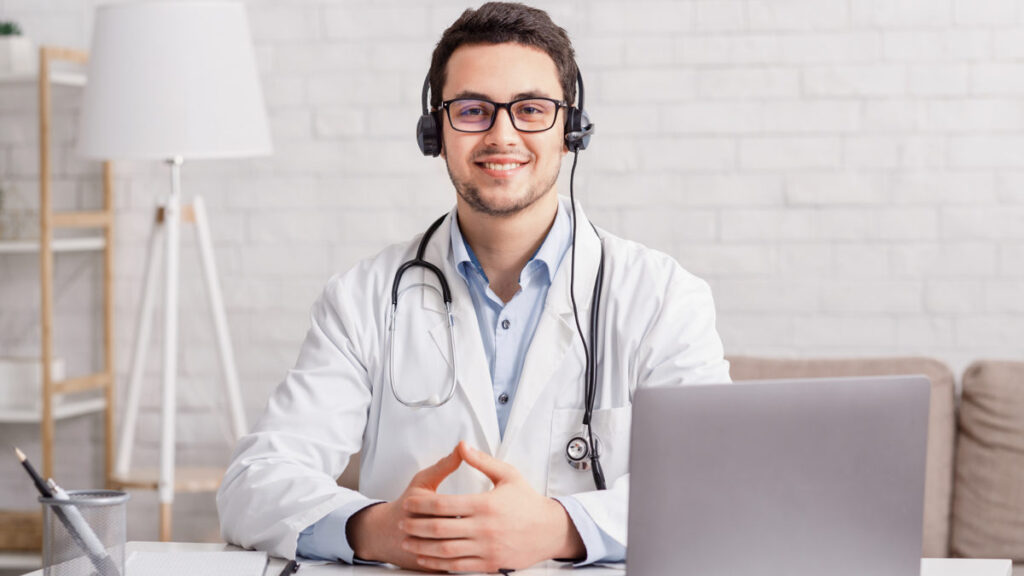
[505, 323]
[503, 399]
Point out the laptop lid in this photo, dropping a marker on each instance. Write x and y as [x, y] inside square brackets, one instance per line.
[794, 477]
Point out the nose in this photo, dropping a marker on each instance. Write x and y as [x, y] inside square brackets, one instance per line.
[502, 132]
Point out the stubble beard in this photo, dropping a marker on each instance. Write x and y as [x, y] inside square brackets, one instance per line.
[470, 194]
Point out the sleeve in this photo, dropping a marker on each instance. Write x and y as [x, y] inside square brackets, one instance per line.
[679, 346]
[282, 477]
[327, 539]
[600, 546]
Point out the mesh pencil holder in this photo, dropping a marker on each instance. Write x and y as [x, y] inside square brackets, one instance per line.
[85, 535]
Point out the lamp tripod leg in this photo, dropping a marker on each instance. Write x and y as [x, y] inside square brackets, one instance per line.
[220, 322]
[172, 222]
[143, 333]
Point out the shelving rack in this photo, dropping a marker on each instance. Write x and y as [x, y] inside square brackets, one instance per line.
[70, 390]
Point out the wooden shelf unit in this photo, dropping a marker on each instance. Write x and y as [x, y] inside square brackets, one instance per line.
[81, 394]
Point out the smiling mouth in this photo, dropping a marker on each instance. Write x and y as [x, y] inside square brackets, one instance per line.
[500, 167]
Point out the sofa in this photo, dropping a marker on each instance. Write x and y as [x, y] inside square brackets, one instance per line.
[974, 474]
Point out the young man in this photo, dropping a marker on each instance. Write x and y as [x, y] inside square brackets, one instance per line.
[490, 478]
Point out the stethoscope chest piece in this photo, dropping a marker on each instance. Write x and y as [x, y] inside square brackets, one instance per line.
[577, 451]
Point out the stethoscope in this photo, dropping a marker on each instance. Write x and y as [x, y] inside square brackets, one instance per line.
[583, 450]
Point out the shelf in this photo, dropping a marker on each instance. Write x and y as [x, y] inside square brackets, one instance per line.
[56, 78]
[185, 479]
[85, 244]
[67, 408]
[20, 561]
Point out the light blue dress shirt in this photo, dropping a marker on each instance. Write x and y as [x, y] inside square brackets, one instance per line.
[506, 330]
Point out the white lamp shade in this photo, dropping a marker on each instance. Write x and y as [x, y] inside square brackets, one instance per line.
[170, 79]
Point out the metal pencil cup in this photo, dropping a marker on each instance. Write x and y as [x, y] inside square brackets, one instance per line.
[85, 535]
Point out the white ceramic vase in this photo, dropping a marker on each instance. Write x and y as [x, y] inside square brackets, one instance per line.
[18, 55]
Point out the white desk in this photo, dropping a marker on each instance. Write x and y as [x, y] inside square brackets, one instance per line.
[929, 566]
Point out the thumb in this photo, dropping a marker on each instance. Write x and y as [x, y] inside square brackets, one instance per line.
[497, 470]
[432, 476]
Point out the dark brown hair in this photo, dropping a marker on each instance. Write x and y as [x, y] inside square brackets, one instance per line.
[498, 23]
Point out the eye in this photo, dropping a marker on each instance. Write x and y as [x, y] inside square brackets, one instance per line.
[472, 109]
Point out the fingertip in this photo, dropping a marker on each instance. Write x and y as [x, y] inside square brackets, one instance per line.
[466, 450]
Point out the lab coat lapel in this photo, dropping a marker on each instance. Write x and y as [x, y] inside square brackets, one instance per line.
[556, 332]
[474, 377]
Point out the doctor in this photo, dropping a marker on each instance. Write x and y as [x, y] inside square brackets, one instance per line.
[493, 477]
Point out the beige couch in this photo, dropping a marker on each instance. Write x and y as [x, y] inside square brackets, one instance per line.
[974, 485]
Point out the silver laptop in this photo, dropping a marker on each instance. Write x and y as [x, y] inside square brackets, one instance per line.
[786, 477]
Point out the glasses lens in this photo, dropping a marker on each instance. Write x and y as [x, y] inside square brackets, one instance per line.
[471, 115]
[534, 115]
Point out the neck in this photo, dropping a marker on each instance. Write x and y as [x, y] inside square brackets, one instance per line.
[504, 244]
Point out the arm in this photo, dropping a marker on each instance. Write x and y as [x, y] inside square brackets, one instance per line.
[282, 476]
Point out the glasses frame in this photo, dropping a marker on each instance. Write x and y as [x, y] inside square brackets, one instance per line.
[559, 104]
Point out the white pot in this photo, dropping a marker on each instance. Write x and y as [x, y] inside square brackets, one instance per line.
[21, 381]
[18, 55]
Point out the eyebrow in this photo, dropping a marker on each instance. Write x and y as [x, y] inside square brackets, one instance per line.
[519, 96]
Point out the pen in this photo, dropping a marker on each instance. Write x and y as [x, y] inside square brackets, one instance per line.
[290, 568]
[36, 478]
[71, 517]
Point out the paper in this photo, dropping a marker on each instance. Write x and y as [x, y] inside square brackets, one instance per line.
[196, 563]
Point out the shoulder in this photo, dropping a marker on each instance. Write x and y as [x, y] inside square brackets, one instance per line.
[646, 269]
[369, 274]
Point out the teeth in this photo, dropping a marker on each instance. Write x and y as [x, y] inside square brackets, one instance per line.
[492, 166]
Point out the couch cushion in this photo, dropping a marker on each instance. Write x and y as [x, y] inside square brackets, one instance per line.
[988, 502]
[938, 487]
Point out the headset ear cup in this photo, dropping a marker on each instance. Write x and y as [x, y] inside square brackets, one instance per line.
[428, 136]
[578, 129]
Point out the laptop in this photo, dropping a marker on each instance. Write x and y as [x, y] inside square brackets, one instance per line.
[779, 477]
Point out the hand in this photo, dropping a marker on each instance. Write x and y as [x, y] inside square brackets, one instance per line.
[374, 531]
[512, 526]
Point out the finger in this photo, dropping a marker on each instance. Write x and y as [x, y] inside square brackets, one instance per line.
[471, 564]
[433, 504]
[431, 477]
[437, 528]
[457, 548]
[493, 468]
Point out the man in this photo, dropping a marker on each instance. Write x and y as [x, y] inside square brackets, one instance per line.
[482, 481]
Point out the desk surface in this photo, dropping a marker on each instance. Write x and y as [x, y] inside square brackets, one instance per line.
[929, 566]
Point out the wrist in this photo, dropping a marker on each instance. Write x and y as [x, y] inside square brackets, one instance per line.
[361, 528]
[569, 544]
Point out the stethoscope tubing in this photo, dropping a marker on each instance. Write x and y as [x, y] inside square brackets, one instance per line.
[446, 296]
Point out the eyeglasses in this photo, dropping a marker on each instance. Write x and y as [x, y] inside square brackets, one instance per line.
[477, 115]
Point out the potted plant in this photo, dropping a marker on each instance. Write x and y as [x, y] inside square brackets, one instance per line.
[17, 53]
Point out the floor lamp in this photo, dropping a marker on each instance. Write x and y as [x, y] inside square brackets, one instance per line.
[173, 82]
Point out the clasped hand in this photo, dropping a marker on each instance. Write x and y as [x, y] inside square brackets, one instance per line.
[510, 526]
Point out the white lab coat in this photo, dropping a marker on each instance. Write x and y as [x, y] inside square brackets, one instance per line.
[657, 328]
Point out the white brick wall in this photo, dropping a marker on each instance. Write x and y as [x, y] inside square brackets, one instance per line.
[848, 175]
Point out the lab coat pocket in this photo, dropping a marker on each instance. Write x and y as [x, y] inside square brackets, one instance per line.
[611, 426]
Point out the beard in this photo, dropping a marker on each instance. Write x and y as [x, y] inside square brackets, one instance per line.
[470, 194]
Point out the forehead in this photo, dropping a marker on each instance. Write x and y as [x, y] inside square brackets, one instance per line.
[501, 71]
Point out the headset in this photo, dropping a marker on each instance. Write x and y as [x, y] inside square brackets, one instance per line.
[578, 127]
[583, 450]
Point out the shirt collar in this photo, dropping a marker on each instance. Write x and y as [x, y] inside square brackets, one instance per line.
[549, 255]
